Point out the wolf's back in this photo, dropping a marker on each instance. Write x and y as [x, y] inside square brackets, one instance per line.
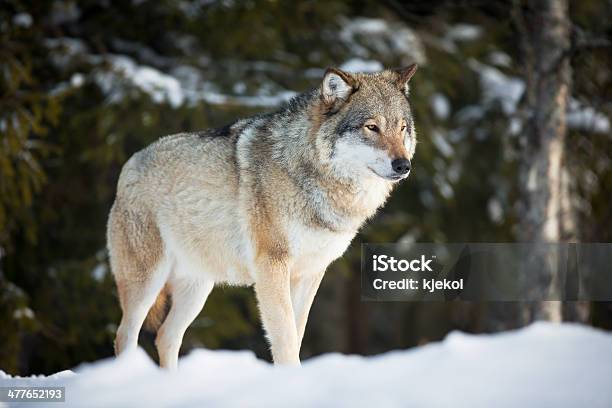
[151, 163]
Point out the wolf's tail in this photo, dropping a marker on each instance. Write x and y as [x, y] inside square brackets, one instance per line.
[158, 312]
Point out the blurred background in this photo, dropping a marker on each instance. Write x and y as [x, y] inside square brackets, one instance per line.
[512, 104]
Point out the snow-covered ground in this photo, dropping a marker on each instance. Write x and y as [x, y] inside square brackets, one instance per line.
[543, 365]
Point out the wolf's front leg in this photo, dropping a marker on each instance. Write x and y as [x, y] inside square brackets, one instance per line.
[272, 288]
[303, 290]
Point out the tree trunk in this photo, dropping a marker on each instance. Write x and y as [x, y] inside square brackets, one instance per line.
[546, 202]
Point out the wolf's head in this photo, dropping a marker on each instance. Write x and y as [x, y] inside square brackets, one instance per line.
[366, 127]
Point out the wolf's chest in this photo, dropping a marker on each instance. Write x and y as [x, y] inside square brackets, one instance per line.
[314, 249]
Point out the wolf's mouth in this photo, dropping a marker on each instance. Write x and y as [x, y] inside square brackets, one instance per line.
[396, 178]
[391, 177]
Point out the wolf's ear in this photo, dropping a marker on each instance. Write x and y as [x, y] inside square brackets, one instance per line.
[337, 86]
[403, 76]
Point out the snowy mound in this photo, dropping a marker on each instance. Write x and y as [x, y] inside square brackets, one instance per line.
[543, 365]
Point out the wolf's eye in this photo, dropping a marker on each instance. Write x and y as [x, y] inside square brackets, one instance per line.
[372, 128]
[403, 127]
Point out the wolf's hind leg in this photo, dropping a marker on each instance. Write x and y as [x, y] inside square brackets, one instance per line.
[188, 298]
[137, 297]
[140, 265]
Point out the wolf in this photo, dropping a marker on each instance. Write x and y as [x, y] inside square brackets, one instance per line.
[268, 201]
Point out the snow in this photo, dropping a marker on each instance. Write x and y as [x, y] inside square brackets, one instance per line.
[464, 32]
[196, 89]
[541, 365]
[363, 36]
[77, 79]
[470, 113]
[23, 313]
[100, 271]
[158, 85]
[582, 117]
[507, 90]
[498, 87]
[116, 74]
[22, 20]
[360, 65]
[441, 144]
[461, 32]
[264, 101]
[239, 88]
[444, 188]
[500, 59]
[440, 105]
[515, 126]
[495, 210]
[183, 85]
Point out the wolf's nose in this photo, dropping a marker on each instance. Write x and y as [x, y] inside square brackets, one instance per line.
[401, 166]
